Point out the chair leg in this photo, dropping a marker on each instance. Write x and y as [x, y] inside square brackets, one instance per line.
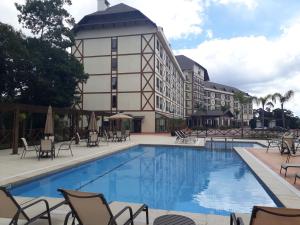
[147, 215]
[71, 151]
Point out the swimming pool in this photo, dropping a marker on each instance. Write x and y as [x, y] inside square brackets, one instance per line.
[171, 178]
[231, 144]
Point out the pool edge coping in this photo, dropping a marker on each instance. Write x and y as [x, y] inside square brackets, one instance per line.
[287, 194]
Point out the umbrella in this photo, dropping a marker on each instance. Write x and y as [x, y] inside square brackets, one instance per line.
[93, 123]
[119, 116]
[49, 123]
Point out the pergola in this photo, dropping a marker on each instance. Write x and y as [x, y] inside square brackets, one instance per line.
[16, 109]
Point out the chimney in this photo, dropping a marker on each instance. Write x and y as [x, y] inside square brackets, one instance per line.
[102, 5]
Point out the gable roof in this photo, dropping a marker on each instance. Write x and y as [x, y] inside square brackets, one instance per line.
[221, 87]
[188, 64]
[117, 15]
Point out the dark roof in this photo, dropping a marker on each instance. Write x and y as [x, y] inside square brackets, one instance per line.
[221, 87]
[188, 64]
[214, 113]
[117, 15]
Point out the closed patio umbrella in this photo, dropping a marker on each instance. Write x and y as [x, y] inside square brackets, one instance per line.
[49, 127]
[92, 123]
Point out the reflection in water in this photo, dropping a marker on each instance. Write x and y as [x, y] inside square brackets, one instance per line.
[172, 178]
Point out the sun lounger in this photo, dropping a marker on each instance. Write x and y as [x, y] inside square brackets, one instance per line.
[286, 165]
[90, 208]
[25, 212]
[297, 175]
[179, 137]
[66, 146]
[269, 216]
[28, 149]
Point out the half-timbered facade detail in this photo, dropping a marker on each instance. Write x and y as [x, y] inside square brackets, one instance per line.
[118, 48]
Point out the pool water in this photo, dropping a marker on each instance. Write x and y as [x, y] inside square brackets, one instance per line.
[171, 178]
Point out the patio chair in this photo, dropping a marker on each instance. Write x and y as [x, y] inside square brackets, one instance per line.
[269, 216]
[119, 136]
[46, 147]
[287, 165]
[92, 208]
[25, 212]
[127, 134]
[111, 136]
[93, 139]
[66, 146]
[28, 149]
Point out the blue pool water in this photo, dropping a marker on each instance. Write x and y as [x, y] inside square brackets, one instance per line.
[171, 178]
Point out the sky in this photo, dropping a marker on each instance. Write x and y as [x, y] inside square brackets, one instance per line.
[253, 45]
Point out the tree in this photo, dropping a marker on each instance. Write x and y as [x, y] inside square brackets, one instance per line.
[48, 20]
[243, 99]
[14, 63]
[264, 101]
[282, 100]
[55, 76]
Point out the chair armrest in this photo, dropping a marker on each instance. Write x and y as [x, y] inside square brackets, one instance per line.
[235, 221]
[35, 202]
[121, 212]
[240, 221]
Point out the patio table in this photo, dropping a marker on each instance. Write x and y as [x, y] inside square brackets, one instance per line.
[173, 219]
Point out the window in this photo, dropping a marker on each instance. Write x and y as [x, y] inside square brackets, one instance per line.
[157, 84]
[114, 45]
[114, 101]
[157, 101]
[114, 83]
[157, 45]
[218, 95]
[114, 64]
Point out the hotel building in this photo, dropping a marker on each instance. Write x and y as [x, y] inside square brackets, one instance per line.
[131, 68]
[207, 102]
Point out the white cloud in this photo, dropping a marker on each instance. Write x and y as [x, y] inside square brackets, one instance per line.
[255, 64]
[250, 4]
[179, 18]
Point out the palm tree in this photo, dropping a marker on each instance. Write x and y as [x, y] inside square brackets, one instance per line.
[243, 99]
[283, 99]
[264, 101]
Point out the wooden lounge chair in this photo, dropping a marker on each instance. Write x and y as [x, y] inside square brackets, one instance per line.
[269, 216]
[25, 212]
[28, 149]
[46, 148]
[92, 208]
[66, 146]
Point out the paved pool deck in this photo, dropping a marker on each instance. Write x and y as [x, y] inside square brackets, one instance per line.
[15, 170]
